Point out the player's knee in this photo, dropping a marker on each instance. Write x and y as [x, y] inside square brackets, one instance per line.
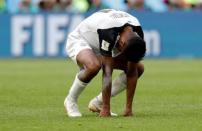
[94, 67]
[140, 69]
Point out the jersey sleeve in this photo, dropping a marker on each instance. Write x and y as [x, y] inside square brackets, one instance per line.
[107, 40]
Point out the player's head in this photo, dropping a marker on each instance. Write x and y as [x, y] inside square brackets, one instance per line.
[132, 45]
[135, 49]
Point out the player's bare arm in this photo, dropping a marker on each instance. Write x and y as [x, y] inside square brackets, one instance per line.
[132, 77]
[107, 67]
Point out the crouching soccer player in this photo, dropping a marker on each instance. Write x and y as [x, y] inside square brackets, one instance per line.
[108, 39]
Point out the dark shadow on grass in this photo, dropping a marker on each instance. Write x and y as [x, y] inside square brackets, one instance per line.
[147, 114]
[138, 115]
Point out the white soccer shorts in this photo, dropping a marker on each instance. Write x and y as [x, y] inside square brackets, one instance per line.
[75, 44]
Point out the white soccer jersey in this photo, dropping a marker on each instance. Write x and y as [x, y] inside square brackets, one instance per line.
[101, 30]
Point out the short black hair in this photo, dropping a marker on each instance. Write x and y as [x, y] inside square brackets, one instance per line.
[135, 49]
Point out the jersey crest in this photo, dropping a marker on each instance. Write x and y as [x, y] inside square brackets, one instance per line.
[105, 45]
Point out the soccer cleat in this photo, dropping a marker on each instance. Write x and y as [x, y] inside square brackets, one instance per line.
[95, 106]
[71, 107]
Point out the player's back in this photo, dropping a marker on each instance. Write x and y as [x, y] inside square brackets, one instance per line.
[107, 18]
[104, 19]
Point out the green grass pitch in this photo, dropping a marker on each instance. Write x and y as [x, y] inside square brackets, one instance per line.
[168, 97]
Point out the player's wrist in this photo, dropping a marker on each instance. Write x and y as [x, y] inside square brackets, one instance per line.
[106, 107]
[105, 112]
[128, 112]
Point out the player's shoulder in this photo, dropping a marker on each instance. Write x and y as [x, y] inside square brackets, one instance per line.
[106, 10]
[110, 18]
[113, 14]
[125, 18]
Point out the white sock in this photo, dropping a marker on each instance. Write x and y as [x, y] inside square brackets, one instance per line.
[76, 88]
[118, 85]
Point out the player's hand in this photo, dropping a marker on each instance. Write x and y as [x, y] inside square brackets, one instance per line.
[105, 113]
[128, 113]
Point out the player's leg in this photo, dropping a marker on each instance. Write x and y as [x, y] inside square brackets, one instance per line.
[89, 64]
[118, 85]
